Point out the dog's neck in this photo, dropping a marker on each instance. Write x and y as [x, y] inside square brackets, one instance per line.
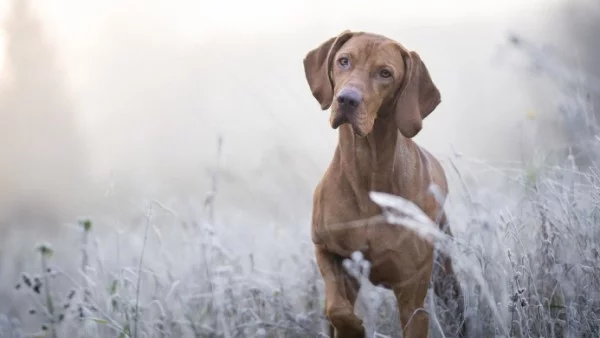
[368, 162]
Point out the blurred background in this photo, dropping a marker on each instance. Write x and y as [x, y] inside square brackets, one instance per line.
[132, 95]
[105, 105]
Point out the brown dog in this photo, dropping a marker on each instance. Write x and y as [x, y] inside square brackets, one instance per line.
[379, 93]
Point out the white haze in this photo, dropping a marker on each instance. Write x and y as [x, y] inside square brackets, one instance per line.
[128, 99]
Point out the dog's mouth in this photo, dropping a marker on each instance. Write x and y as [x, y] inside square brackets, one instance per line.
[340, 118]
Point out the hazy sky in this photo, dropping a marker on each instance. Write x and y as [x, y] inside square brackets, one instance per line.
[77, 20]
[152, 82]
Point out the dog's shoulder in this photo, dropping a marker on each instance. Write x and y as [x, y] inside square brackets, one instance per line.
[432, 170]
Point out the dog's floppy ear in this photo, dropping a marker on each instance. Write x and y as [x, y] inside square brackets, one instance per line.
[317, 68]
[418, 96]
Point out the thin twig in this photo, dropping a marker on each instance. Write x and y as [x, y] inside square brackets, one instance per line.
[139, 274]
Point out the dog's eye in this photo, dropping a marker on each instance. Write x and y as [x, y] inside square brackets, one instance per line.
[385, 73]
[344, 61]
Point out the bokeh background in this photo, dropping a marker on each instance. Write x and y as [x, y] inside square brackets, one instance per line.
[108, 106]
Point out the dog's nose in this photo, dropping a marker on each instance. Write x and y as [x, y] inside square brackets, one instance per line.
[349, 97]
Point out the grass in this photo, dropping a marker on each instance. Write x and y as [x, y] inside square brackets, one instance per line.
[526, 251]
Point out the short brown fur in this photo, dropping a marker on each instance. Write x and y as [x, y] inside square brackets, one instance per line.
[392, 93]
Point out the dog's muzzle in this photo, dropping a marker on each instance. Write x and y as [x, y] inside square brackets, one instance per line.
[348, 100]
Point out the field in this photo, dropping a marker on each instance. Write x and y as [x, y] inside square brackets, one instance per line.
[152, 187]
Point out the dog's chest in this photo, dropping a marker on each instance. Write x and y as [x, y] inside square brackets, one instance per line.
[343, 220]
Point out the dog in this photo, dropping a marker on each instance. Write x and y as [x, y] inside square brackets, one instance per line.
[379, 93]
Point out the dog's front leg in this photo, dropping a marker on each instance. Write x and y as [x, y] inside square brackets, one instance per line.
[411, 303]
[340, 294]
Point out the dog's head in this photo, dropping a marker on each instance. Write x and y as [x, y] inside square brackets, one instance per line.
[363, 76]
